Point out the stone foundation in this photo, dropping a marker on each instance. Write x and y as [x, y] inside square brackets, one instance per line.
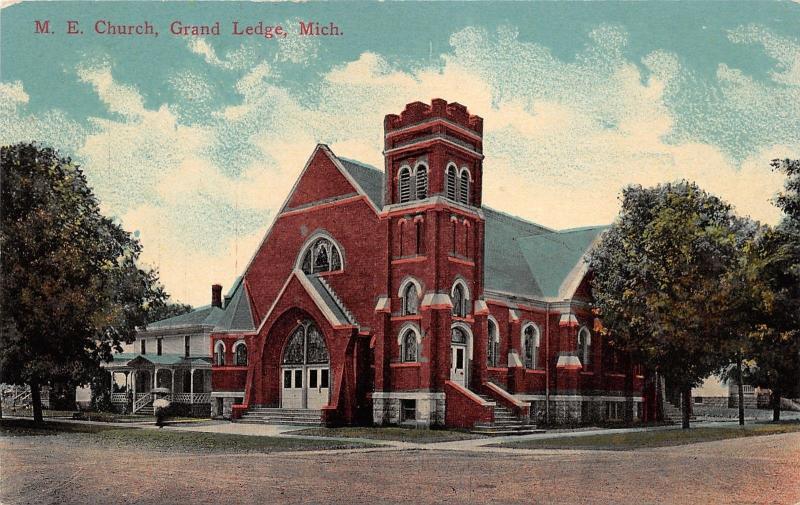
[222, 403]
[576, 409]
[394, 408]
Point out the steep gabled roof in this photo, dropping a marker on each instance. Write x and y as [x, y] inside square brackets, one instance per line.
[369, 178]
[553, 257]
[237, 315]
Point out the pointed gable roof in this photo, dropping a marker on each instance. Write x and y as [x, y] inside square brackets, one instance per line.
[237, 316]
[369, 178]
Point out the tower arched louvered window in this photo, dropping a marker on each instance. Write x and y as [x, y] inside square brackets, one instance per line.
[410, 299]
[422, 182]
[460, 301]
[405, 184]
[463, 188]
[451, 182]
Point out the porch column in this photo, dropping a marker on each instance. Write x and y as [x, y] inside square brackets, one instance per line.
[172, 389]
[191, 385]
[153, 379]
[112, 382]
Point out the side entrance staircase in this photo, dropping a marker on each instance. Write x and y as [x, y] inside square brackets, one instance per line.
[271, 415]
[505, 422]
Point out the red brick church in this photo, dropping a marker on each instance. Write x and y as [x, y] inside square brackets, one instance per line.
[396, 296]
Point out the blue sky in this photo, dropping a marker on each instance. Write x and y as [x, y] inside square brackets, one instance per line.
[194, 142]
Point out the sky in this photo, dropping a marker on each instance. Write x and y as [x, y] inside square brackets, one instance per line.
[192, 143]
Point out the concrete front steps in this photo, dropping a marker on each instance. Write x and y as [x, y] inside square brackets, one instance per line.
[505, 422]
[268, 415]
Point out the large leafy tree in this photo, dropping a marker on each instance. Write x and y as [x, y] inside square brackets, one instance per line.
[71, 288]
[776, 268]
[660, 280]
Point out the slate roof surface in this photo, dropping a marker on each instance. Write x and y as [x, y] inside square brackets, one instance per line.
[369, 178]
[206, 315]
[237, 315]
[333, 304]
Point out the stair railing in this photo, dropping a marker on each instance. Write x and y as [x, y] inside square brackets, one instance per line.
[142, 402]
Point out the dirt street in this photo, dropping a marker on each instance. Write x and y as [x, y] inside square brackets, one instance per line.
[56, 469]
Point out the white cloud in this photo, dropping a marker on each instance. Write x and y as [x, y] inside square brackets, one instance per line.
[239, 59]
[561, 140]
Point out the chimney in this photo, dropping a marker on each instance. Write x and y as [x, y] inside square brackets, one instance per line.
[216, 295]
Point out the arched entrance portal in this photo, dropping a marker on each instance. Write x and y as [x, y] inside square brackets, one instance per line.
[305, 371]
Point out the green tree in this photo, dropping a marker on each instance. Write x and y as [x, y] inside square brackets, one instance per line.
[776, 269]
[660, 281]
[71, 289]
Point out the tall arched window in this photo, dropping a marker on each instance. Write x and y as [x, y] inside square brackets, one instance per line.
[585, 346]
[219, 353]
[240, 354]
[322, 255]
[463, 187]
[530, 342]
[405, 184]
[419, 236]
[493, 340]
[459, 297]
[422, 182]
[408, 346]
[410, 299]
[451, 182]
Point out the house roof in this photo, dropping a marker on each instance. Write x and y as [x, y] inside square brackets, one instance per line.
[236, 316]
[132, 359]
[206, 315]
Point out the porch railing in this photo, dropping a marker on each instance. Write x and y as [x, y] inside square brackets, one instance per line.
[191, 397]
[141, 402]
[119, 398]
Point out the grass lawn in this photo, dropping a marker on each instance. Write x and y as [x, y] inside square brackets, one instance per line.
[168, 440]
[417, 436]
[662, 438]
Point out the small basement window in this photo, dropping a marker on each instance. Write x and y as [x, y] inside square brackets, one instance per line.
[408, 410]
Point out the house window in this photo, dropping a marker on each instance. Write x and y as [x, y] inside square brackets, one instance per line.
[322, 255]
[422, 182]
[530, 343]
[408, 410]
[460, 299]
[219, 354]
[240, 354]
[158, 346]
[492, 344]
[450, 182]
[409, 346]
[405, 184]
[463, 187]
[187, 346]
[410, 299]
[144, 347]
[585, 346]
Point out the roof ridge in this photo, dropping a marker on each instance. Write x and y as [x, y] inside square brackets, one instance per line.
[518, 219]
